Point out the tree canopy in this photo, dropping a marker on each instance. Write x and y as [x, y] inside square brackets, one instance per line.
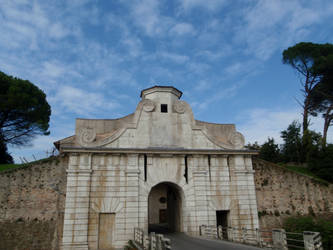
[24, 111]
[321, 100]
[292, 148]
[302, 58]
[314, 63]
[270, 151]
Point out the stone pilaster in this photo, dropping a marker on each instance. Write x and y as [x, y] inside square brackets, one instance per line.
[132, 212]
[75, 233]
[244, 189]
[200, 180]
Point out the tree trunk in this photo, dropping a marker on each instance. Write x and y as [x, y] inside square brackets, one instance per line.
[328, 118]
[305, 115]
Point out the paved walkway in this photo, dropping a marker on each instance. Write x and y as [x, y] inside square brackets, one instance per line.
[181, 241]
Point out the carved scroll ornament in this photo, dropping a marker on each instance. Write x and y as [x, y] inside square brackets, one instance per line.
[148, 105]
[179, 107]
[87, 135]
[237, 140]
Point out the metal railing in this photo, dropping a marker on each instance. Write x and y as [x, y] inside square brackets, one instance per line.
[276, 238]
[152, 241]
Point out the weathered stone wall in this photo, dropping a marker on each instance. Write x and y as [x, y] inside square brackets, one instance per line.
[32, 205]
[282, 193]
[32, 200]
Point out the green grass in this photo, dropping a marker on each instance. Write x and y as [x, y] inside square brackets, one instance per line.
[304, 171]
[10, 166]
[13, 166]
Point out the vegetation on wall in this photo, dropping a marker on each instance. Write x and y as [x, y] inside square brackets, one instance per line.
[299, 224]
[317, 161]
[10, 166]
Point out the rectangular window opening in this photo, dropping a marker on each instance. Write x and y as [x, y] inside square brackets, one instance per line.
[164, 108]
[145, 167]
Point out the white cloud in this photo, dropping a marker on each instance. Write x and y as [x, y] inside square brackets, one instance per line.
[198, 68]
[147, 16]
[212, 55]
[31, 25]
[270, 25]
[81, 102]
[182, 29]
[177, 58]
[202, 85]
[211, 5]
[259, 124]
[239, 69]
[53, 69]
[58, 31]
[133, 44]
[233, 68]
[219, 94]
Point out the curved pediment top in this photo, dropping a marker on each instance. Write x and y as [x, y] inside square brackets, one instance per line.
[161, 119]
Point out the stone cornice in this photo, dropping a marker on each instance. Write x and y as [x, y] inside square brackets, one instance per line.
[161, 151]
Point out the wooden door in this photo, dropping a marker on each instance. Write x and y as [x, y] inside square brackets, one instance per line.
[163, 216]
[106, 230]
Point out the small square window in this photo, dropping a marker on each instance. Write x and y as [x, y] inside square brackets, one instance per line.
[164, 108]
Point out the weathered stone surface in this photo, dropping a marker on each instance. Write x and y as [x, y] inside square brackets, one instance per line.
[282, 193]
[32, 205]
[34, 234]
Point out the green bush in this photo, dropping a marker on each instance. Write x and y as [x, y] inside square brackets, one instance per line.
[321, 163]
[270, 151]
[300, 224]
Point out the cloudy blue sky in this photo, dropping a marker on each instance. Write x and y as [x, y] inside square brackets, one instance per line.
[92, 58]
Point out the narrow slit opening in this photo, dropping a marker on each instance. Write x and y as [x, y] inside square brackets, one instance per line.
[228, 165]
[145, 167]
[186, 170]
[210, 175]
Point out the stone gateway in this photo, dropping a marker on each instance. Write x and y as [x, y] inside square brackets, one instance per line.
[155, 168]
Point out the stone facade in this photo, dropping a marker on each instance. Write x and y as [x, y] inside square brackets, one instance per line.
[117, 166]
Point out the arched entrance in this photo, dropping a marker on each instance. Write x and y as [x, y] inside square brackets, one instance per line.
[164, 208]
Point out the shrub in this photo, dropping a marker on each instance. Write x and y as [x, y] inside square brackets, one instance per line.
[299, 224]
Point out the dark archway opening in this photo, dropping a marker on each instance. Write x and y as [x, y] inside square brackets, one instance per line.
[164, 208]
